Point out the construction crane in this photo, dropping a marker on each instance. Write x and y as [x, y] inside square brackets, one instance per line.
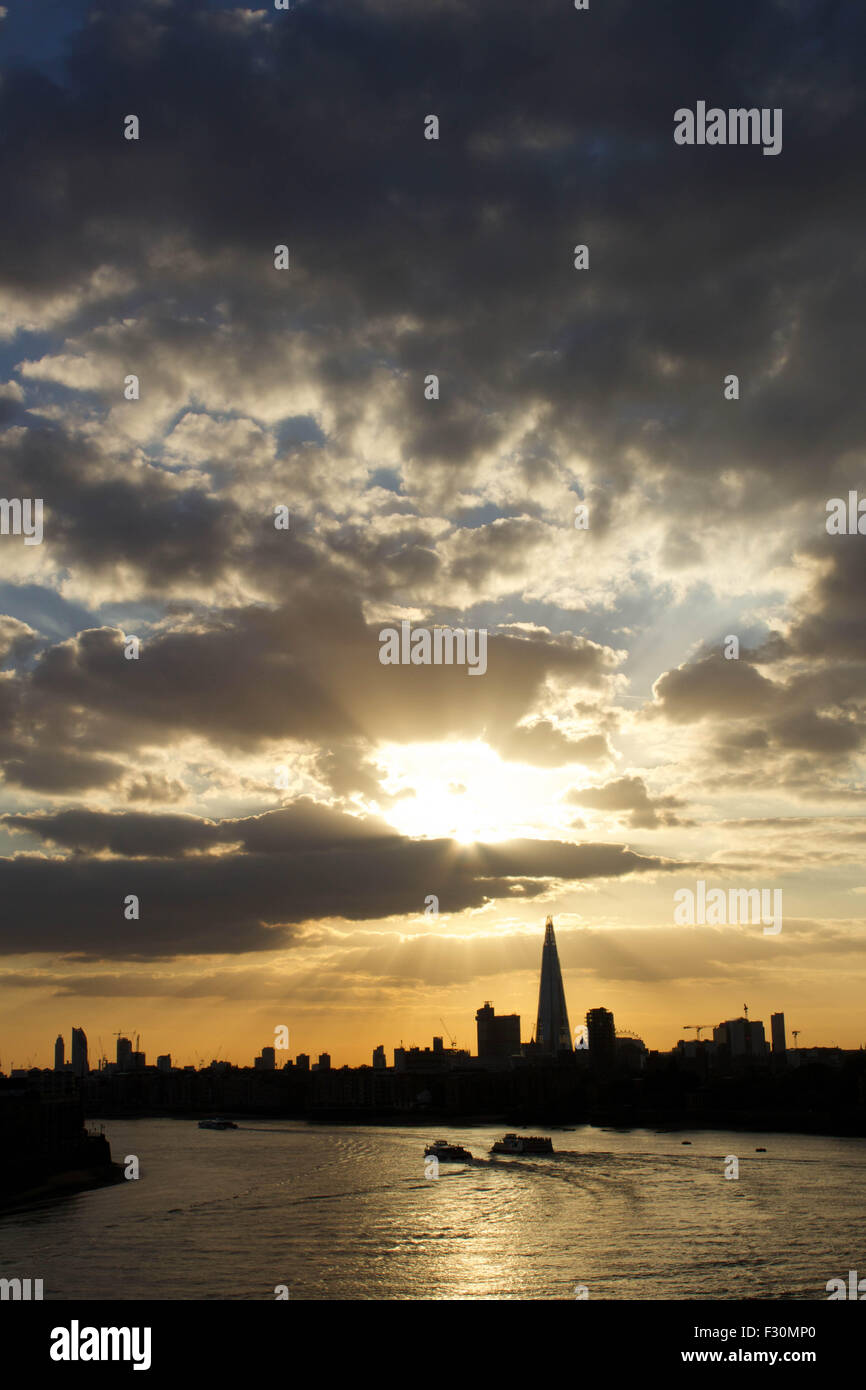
[698, 1027]
[745, 1011]
[796, 1032]
[451, 1039]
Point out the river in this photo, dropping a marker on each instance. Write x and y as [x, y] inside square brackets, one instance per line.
[345, 1212]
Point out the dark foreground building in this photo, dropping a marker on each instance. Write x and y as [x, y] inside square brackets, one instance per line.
[498, 1037]
[43, 1141]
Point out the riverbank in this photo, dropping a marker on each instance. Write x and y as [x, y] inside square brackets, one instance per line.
[839, 1124]
[62, 1185]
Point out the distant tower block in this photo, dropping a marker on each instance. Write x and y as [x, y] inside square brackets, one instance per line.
[59, 1053]
[552, 1031]
[497, 1036]
[79, 1052]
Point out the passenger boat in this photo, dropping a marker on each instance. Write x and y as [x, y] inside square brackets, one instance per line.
[447, 1153]
[522, 1144]
[217, 1124]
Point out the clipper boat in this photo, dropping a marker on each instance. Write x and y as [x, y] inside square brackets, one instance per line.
[447, 1153]
[522, 1144]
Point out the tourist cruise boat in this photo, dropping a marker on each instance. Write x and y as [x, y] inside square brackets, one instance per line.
[217, 1124]
[522, 1144]
[447, 1153]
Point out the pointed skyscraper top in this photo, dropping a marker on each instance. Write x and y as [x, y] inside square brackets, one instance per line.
[552, 1031]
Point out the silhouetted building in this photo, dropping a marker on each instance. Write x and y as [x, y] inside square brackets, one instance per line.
[497, 1037]
[820, 1056]
[79, 1052]
[631, 1054]
[163, 1063]
[324, 1062]
[124, 1054]
[699, 1054]
[601, 1036]
[267, 1061]
[43, 1134]
[302, 1061]
[777, 1033]
[552, 1031]
[59, 1053]
[137, 1061]
[429, 1058]
[742, 1037]
[379, 1060]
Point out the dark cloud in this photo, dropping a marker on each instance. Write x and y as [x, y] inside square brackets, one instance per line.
[152, 787]
[308, 674]
[277, 871]
[833, 625]
[543, 745]
[17, 640]
[822, 712]
[517, 177]
[630, 795]
[714, 688]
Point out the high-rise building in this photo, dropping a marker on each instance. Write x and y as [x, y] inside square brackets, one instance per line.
[497, 1037]
[552, 1031]
[777, 1033]
[631, 1053]
[743, 1037]
[601, 1038]
[163, 1062]
[302, 1061]
[324, 1062]
[59, 1053]
[79, 1052]
[267, 1061]
[124, 1054]
[379, 1060]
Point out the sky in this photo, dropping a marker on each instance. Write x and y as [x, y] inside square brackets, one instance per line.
[284, 806]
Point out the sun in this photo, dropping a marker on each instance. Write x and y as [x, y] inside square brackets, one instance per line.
[461, 791]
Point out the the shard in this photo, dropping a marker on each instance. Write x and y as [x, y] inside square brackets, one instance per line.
[552, 1033]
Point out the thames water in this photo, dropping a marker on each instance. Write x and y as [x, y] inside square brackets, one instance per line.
[346, 1212]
